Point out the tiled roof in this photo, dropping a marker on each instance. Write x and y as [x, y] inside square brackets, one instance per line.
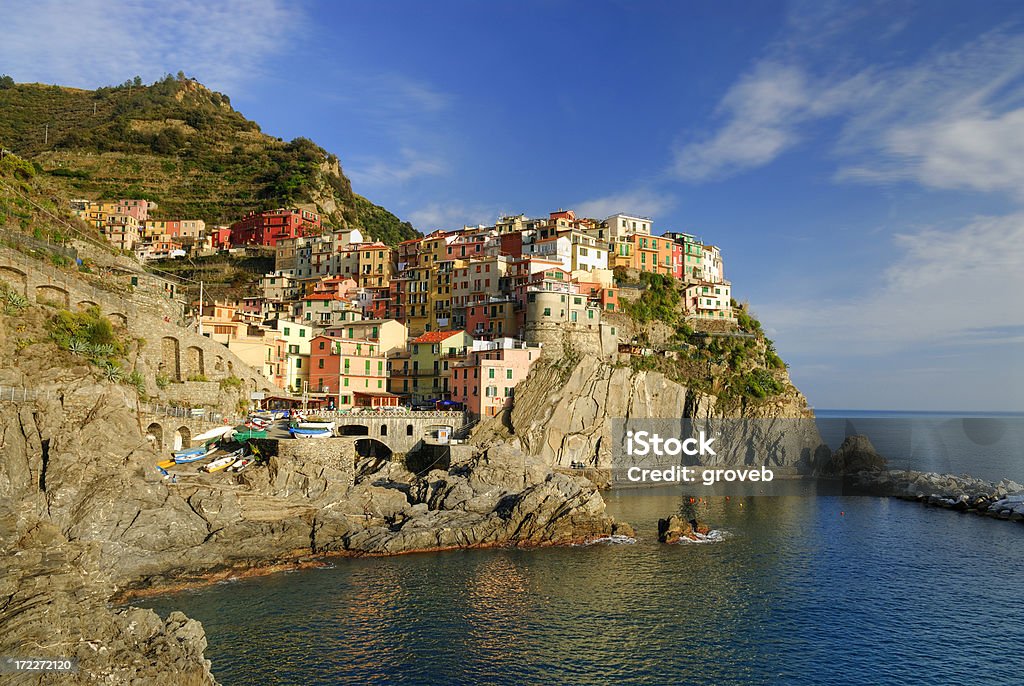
[436, 336]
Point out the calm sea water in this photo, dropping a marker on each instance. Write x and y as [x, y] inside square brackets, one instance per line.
[985, 445]
[799, 590]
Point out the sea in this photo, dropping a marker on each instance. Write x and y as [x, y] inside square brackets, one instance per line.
[785, 590]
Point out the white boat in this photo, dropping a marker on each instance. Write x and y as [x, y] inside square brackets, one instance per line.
[323, 426]
[310, 433]
[215, 432]
[241, 464]
[221, 463]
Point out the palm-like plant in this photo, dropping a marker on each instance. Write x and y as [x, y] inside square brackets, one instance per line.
[78, 347]
[113, 373]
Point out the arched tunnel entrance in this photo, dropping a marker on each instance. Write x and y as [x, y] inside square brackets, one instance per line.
[371, 447]
[155, 433]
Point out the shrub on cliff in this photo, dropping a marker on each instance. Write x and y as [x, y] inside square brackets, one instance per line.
[760, 384]
[88, 331]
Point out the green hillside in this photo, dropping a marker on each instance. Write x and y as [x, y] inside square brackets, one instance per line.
[183, 146]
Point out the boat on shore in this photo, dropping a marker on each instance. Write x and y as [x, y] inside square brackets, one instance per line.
[322, 426]
[194, 456]
[310, 433]
[215, 432]
[239, 465]
[222, 463]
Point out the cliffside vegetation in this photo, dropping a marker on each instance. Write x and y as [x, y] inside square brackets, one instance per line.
[738, 363]
[183, 146]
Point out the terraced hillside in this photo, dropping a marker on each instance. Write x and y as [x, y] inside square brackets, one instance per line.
[183, 146]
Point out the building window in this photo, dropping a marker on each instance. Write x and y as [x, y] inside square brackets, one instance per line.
[320, 364]
[508, 374]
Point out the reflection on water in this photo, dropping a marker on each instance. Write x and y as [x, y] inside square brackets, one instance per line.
[804, 590]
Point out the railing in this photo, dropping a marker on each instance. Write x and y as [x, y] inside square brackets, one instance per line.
[368, 412]
[196, 413]
[20, 395]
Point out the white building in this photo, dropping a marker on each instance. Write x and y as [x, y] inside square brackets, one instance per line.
[623, 225]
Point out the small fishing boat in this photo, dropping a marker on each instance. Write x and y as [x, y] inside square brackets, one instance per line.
[191, 451]
[239, 465]
[164, 464]
[322, 426]
[215, 432]
[194, 457]
[219, 464]
[164, 472]
[310, 433]
[249, 434]
[223, 462]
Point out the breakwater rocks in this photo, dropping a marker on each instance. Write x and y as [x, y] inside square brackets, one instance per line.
[1002, 500]
[863, 470]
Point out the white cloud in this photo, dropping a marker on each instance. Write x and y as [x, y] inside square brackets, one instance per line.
[102, 42]
[949, 120]
[642, 201]
[412, 165]
[959, 287]
[446, 216]
[763, 111]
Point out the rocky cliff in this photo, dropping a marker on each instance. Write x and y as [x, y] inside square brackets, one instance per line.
[566, 409]
[85, 518]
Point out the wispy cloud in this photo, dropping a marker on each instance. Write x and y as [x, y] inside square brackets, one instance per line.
[75, 43]
[409, 165]
[642, 201]
[947, 120]
[944, 288]
[453, 215]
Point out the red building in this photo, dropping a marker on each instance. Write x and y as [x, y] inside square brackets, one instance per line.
[221, 238]
[267, 228]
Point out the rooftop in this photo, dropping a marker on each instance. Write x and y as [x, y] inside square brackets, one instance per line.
[436, 336]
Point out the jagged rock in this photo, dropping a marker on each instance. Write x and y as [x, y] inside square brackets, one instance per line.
[564, 417]
[855, 455]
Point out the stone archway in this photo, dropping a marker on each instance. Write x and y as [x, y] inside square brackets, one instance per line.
[182, 438]
[15, 278]
[353, 430]
[52, 293]
[86, 304]
[371, 447]
[155, 432]
[118, 319]
[170, 357]
[195, 361]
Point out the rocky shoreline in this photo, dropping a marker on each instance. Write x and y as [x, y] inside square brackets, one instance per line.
[1001, 500]
[863, 470]
[86, 521]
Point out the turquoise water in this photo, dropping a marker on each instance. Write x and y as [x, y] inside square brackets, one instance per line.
[800, 590]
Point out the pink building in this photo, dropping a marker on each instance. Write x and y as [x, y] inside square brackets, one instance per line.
[484, 383]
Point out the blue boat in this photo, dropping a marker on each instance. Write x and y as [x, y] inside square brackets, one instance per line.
[191, 451]
[194, 457]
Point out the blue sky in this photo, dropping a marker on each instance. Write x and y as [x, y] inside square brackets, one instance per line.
[861, 165]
